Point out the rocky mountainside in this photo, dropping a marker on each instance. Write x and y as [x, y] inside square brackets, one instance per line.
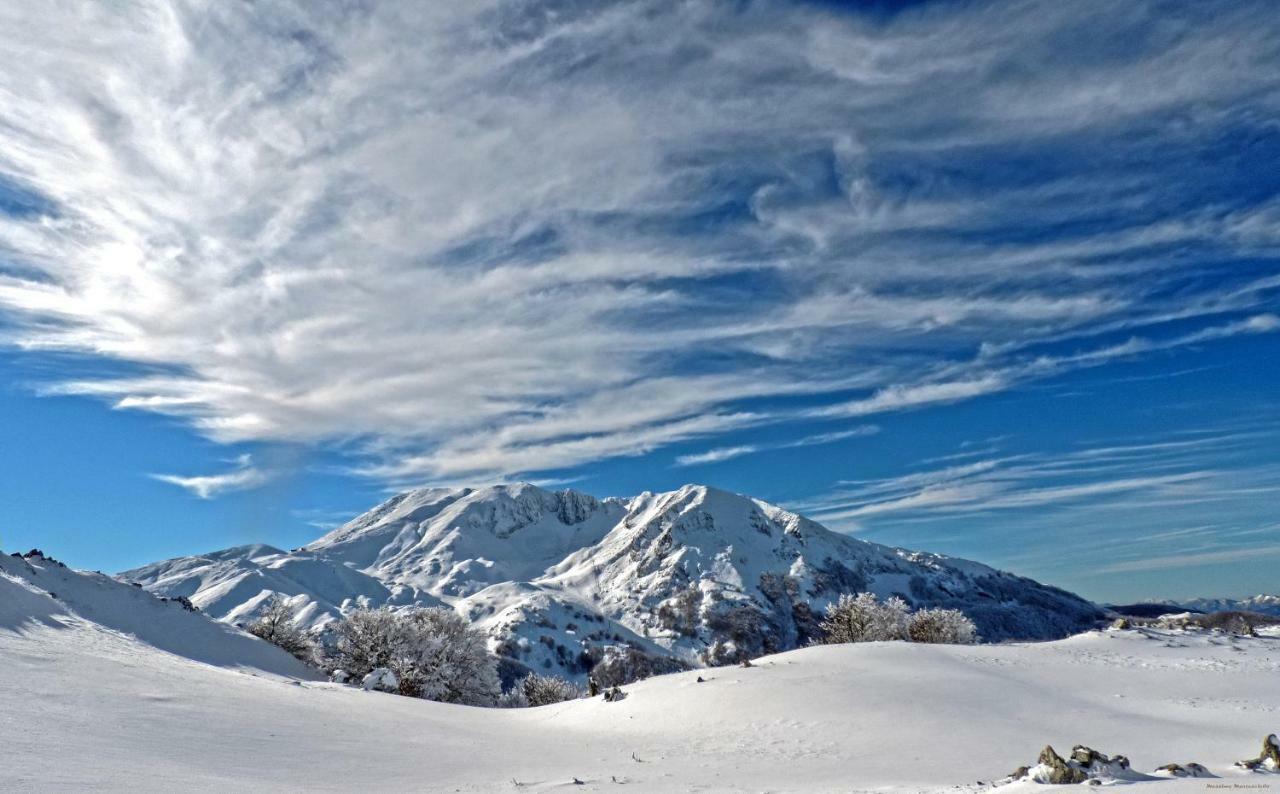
[565, 582]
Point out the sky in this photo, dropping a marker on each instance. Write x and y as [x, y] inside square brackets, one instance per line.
[997, 280]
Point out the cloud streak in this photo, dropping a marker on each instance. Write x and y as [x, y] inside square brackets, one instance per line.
[719, 454]
[244, 477]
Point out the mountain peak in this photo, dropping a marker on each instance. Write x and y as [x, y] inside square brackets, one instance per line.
[698, 575]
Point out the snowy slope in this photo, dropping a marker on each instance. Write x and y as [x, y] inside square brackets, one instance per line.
[234, 584]
[1261, 603]
[82, 708]
[454, 543]
[697, 575]
[37, 593]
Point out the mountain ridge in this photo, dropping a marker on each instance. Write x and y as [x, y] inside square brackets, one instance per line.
[1262, 603]
[563, 581]
[36, 591]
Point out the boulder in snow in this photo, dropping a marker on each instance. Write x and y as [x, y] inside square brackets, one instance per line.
[1052, 768]
[1084, 765]
[381, 679]
[1268, 760]
[1183, 770]
[613, 694]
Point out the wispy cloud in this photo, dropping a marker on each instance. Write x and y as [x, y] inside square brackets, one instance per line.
[244, 477]
[494, 238]
[1196, 559]
[896, 398]
[321, 518]
[719, 454]
[1124, 506]
[716, 455]
[1168, 471]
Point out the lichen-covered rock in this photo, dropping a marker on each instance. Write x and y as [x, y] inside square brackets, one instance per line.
[1056, 770]
[1268, 760]
[1084, 765]
[1096, 763]
[1183, 770]
[1271, 752]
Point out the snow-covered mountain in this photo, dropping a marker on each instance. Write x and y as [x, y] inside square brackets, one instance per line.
[36, 591]
[1261, 603]
[562, 580]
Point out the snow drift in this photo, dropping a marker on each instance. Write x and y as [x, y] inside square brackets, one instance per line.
[87, 708]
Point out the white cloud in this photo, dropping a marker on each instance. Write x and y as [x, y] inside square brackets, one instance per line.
[483, 239]
[728, 453]
[1199, 468]
[1192, 559]
[244, 477]
[897, 397]
[716, 455]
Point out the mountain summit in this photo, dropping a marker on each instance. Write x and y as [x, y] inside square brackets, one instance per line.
[561, 580]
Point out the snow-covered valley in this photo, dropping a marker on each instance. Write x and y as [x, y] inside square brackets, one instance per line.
[90, 700]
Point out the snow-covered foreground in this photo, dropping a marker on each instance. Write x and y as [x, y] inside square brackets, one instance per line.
[86, 707]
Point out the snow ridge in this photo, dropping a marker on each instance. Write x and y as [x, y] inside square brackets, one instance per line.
[1262, 603]
[36, 592]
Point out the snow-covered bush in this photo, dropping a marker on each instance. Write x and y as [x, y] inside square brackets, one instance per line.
[276, 626]
[446, 659]
[539, 690]
[434, 653]
[863, 618]
[943, 626]
[366, 639]
[614, 665]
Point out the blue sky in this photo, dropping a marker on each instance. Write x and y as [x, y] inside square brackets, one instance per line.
[994, 280]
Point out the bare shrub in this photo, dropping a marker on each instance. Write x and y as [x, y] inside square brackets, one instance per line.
[276, 626]
[863, 618]
[434, 653]
[540, 690]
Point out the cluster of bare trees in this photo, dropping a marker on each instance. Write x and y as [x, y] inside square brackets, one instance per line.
[865, 618]
[430, 653]
[434, 653]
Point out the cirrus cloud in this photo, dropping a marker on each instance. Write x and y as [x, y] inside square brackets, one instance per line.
[473, 240]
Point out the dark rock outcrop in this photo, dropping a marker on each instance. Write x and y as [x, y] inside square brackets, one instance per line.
[1190, 769]
[1057, 770]
[1268, 760]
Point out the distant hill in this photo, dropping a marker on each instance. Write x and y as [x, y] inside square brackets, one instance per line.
[1262, 604]
[1149, 610]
